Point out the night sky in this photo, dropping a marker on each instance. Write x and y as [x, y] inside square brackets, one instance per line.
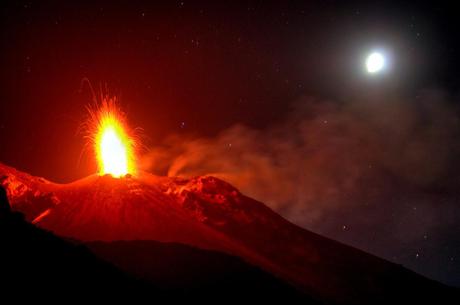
[271, 97]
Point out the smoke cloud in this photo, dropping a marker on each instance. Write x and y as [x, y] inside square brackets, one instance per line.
[381, 174]
[325, 155]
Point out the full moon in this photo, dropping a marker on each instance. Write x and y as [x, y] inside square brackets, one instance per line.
[375, 62]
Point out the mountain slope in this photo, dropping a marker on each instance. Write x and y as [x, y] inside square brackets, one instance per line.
[208, 213]
[34, 262]
[195, 272]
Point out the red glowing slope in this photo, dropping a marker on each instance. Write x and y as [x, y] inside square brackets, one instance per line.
[208, 213]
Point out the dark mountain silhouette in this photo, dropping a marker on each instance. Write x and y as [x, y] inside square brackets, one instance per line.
[208, 213]
[35, 262]
[194, 272]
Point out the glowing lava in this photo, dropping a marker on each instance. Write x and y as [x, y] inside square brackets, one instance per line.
[111, 139]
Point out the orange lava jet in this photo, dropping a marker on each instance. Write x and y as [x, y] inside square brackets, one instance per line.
[111, 138]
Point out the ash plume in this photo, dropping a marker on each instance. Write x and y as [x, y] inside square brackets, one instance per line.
[369, 171]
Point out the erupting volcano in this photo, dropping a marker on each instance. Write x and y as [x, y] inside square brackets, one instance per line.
[121, 203]
[206, 213]
[233, 151]
[112, 140]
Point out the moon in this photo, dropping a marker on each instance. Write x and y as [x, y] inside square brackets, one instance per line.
[375, 62]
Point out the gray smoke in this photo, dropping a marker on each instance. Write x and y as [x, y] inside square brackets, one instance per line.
[326, 156]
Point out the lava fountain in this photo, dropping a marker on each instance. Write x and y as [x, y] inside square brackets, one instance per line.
[111, 139]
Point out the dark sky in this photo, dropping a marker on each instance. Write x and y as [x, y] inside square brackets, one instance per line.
[383, 177]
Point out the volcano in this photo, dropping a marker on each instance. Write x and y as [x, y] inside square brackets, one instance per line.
[210, 214]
